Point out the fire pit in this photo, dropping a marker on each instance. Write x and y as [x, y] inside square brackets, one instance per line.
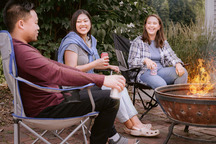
[185, 108]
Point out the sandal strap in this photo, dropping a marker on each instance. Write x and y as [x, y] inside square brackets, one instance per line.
[149, 126]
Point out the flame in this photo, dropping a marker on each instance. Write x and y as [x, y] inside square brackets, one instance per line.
[202, 80]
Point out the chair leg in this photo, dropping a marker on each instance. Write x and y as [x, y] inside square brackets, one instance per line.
[33, 132]
[151, 97]
[144, 105]
[16, 132]
[38, 138]
[76, 129]
[148, 105]
[57, 134]
[186, 129]
[87, 127]
[134, 94]
[84, 133]
[144, 113]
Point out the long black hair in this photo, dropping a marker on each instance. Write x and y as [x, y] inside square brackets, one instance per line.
[74, 20]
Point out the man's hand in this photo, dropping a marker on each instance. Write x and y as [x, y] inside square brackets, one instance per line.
[115, 81]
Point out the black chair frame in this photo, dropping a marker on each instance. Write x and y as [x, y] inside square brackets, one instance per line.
[122, 46]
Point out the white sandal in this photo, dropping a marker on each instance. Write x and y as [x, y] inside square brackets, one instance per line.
[144, 132]
[128, 131]
[148, 126]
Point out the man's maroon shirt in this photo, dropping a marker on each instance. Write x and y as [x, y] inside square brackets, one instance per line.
[40, 70]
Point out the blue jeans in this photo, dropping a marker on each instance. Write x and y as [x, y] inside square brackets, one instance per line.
[165, 76]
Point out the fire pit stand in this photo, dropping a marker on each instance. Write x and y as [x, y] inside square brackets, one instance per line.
[187, 110]
[171, 132]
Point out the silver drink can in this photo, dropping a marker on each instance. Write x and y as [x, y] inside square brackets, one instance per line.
[154, 71]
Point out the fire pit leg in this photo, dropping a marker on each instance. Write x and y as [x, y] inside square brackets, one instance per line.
[186, 129]
[170, 132]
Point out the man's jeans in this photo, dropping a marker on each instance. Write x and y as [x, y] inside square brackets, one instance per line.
[103, 124]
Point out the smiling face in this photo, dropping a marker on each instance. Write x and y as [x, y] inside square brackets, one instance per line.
[31, 27]
[152, 26]
[83, 25]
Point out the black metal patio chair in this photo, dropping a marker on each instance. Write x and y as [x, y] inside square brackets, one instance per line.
[122, 46]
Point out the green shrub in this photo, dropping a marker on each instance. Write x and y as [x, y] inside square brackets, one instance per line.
[108, 16]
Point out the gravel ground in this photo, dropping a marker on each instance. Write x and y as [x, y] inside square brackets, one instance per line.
[6, 106]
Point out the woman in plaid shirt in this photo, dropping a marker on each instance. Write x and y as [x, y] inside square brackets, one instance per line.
[159, 64]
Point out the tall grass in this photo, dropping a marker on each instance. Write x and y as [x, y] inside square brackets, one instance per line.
[191, 43]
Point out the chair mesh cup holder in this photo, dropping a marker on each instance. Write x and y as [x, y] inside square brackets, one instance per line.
[71, 96]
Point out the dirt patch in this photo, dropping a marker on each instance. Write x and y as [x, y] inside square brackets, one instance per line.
[6, 106]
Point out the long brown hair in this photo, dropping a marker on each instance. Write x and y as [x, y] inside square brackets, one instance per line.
[160, 37]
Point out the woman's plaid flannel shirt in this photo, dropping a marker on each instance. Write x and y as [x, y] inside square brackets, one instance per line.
[139, 50]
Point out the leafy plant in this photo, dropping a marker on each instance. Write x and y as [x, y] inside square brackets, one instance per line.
[110, 16]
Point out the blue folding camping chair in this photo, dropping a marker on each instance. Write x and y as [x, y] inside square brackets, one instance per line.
[55, 125]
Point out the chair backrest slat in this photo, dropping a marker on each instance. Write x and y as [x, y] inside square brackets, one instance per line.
[9, 66]
[122, 47]
[121, 59]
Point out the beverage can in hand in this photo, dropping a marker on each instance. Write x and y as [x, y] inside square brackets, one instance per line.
[154, 71]
[114, 94]
[103, 54]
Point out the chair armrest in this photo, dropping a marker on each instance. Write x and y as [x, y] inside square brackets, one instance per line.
[103, 70]
[50, 89]
[134, 69]
[130, 74]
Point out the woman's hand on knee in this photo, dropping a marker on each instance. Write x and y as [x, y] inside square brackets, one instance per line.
[180, 69]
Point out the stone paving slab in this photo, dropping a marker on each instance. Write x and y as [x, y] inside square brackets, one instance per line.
[156, 117]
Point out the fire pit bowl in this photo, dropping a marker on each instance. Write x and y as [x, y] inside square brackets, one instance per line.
[187, 109]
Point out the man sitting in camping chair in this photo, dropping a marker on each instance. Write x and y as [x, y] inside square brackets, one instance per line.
[22, 23]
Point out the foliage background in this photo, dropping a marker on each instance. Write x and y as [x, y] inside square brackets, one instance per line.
[180, 17]
[178, 11]
[107, 16]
